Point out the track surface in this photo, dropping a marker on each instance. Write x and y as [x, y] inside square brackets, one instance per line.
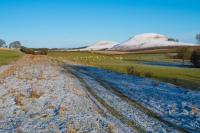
[38, 95]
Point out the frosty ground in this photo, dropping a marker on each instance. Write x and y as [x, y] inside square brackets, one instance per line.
[37, 95]
[41, 94]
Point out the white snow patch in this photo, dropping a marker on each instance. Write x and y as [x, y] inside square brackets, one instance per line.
[101, 45]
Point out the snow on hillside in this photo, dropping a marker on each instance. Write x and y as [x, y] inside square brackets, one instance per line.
[147, 40]
[101, 45]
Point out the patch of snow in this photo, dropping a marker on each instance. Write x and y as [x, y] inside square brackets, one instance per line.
[101, 45]
[150, 36]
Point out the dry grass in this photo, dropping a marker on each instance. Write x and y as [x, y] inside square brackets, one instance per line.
[50, 106]
[195, 111]
[5, 49]
[35, 94]
[79, 93]
[62, 110]
[41, 76]
[71, 130]
[111, 128]
[19, 100]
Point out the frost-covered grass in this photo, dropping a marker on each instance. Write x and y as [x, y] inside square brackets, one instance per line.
[185, 77]
[7, 56]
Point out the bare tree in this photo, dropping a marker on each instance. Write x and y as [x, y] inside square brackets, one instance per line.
[2, 43]
[198, 38]
[15, 44]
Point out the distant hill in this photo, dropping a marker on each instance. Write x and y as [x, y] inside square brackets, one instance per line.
[147, 41]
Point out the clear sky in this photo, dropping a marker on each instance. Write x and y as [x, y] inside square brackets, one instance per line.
[73, 23]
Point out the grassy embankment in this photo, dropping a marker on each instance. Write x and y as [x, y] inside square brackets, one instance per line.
[6, 56]
[185, 77]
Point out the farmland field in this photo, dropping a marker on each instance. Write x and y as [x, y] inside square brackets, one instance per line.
[184, 76]
[6, 56]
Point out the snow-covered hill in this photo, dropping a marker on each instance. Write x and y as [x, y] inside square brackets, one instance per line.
[101, 45]
[145, 41]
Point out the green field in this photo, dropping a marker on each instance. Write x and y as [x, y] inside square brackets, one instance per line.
[185, 77]
[6, 56]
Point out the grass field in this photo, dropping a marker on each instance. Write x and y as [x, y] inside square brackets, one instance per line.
[185, 77]
[6, 56]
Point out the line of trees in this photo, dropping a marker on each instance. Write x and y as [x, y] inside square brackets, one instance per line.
[14, 44]
[34, 51]
[18, 45]
[198, 38]
[173, 40]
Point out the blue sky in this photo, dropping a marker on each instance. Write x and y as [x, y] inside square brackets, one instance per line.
[73, 23]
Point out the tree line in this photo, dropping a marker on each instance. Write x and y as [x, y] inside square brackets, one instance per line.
[18, 45]
[198, 38]
[14, 44]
